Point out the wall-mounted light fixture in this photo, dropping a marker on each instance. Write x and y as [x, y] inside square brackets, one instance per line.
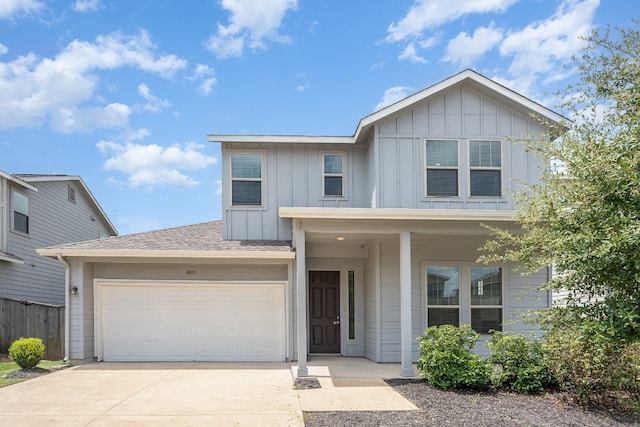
[73, 291]
[340, 238]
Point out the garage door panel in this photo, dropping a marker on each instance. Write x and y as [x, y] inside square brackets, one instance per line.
[168, 322]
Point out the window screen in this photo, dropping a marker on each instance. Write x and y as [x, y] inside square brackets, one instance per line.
[333, 175]
[246, 179]
[485, 168]
[442, 168]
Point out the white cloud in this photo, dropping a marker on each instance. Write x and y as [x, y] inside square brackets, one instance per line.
[204, 74]
[464, 49]
[84, 6]
[544, 46]
[153, 104]
[218, 186]
[12, 8]
[252, 22]
[427, 14]
[62, 90]
[410, 53]
[3, 49]
[393, 95]
[152, 165]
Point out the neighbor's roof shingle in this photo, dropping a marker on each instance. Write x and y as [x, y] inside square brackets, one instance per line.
[190, 238]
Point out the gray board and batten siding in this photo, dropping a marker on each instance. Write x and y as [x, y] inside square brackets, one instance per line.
[387, 170]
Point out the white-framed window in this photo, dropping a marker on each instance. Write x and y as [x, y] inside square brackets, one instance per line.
[332, 175]
[443, 295]
[485, 164]
[464, 294]
[441, 167]
[246, 179]
[20, 207]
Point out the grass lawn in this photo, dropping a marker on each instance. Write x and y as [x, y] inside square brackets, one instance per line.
[6, 367]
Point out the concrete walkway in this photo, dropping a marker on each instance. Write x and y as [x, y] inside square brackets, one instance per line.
[221, 394]
[351, 384]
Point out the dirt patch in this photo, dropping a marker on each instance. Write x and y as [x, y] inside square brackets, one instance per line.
[306, 383]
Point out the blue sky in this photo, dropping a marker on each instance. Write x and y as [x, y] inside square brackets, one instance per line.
[124, 93]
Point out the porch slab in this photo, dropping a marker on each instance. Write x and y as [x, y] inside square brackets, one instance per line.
[351, 384]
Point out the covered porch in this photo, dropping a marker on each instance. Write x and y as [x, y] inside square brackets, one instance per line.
[379, 257]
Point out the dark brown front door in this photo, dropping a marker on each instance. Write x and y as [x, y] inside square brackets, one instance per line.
[324, 311]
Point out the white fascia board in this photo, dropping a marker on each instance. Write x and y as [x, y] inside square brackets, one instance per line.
[52, 252]
[10, 258]
[397, 214]
[274, 139]
[18, 181]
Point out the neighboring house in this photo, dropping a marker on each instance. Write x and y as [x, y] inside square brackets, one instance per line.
[38, 211]
[347, 245]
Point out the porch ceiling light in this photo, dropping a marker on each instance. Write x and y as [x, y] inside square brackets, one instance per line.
[340, 238]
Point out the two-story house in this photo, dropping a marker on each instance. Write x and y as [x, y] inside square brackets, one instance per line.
[38, 211]
[347, 245]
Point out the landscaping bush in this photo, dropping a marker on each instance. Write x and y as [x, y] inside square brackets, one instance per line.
[447, 361]
[27, 352]
[587, 360]
[519, 363]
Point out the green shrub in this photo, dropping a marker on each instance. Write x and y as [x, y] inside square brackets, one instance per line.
[586, 359]
[519, 363]
[27, 352]
[447, 361]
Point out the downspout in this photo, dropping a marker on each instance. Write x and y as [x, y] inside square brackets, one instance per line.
[67, 307]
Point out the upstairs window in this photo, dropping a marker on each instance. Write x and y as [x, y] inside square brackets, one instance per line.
[485, 168]
[246, 179]
[442, 168]
[332, 175]
[20, 204]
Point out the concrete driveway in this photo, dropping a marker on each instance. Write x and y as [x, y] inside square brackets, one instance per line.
[104, 394]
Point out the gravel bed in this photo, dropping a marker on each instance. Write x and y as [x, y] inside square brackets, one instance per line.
[468, 408]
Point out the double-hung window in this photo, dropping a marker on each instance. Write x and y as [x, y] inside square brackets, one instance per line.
[465, 294]
[486, 299]
[485, 168]
[20, 204]
[332, 175]
[442, 168]
[443, 299]
[246, 179]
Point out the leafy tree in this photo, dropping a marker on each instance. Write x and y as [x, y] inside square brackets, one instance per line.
[585, 220]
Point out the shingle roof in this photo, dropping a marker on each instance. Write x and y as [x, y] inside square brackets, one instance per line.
[204, 237]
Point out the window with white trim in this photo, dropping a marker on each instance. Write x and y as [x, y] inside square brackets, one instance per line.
[485, 175]
[486, 299]
[332, 175]
[464, 294]
[442, 168]
[443, 299]
[20, 206]
[246, 179]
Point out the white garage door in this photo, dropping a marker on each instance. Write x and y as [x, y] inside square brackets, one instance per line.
[181, 322]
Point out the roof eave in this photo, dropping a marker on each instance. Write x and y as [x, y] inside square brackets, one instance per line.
[163, 254]
[274, 139]
[397, 214]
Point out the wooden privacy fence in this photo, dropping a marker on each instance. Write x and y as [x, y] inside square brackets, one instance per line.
[31, 319]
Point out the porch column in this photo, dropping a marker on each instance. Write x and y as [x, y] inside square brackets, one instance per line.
[301, 302]
[406, 368]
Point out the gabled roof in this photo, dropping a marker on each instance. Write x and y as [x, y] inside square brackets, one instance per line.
[190, 241]
[476, 79]
[17, 181]
[28, 178]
